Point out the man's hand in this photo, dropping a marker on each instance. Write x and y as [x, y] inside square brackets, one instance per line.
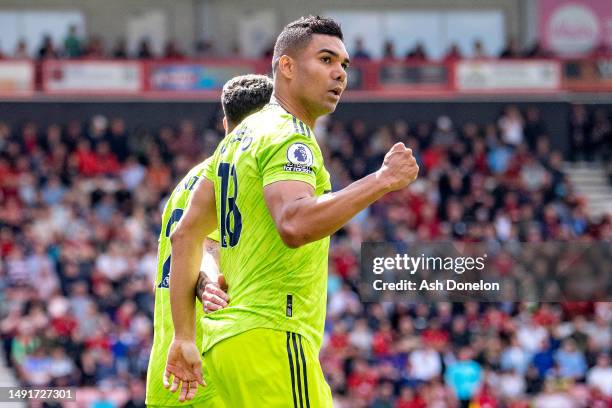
[213, 294]
[185, 364]
[399, 168]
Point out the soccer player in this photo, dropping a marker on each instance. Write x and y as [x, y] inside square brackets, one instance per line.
[241, 96]
[269, 192]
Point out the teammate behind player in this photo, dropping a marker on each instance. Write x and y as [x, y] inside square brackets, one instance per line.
[241, 96]
[269, 189]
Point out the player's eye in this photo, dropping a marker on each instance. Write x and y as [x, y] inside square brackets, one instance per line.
[326, 60]
[345, 65]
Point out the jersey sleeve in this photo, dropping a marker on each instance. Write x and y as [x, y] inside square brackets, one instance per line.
[209, 172]
[215, 236]
[294, 157]
[209, 168]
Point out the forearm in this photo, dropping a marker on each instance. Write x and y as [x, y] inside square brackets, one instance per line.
[313, 218]
[198, 221]
[184, 267]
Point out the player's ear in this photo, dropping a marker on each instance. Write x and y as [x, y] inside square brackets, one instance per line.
[286, 65]
[225, 123]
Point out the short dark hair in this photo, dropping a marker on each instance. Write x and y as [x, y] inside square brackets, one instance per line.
[298, 33]
[245, 94]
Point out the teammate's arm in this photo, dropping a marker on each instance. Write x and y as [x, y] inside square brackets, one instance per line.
[301, 217]
[187, 240]
[199, 220]
[210, 289]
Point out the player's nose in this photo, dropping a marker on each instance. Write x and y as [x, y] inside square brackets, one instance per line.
[339, 73]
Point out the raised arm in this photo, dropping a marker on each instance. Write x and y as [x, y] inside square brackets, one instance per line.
[301, 217]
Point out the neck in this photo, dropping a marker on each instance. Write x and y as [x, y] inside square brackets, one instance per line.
[295, 108]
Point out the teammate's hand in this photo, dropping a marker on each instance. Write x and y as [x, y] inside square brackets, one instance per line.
[185, 364]
[214, 296]
[399, 167]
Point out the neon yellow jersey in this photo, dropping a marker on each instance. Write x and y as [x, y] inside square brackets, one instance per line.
[163, 328]
[269, 285]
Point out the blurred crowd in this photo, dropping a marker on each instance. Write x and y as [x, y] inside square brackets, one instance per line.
[80, 216]
[76, 45]
[418, 53]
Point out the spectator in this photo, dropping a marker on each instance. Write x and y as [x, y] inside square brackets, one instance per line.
[384, 396]
[107, 163]
[512, 385]
[112, 264]
[389, 50]
[498, 157]
[85, 159]
[511, 125]
[47, 49]
[62, 368]
[408, 399]
[417, 54]
[543, 359]
[95, 48]
[601, 136]
[425, 363]
[24, 343]
[537, 51]
[571, 361]
[118, 138]
[103, 401]
[534, 128]
[133, 173]
[453, 54]
[172, 51]
[72, 44]
[362, 381]
[464, 376]
[515, 358]
[144, 49]
[137, 395]
[37, 368]
[535, 382]
[360, 52]
[579, 133]
[600, 376]
[17, 267]
[511, 50]
[21, 51]
[97, 130]
[158, 175]
[444, 135]
[534, 176]
[361, 337]
[478, 50]
[554, 398]
[120, 50]
[204, 49]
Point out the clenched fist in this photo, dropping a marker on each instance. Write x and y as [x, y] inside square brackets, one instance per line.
[399, 168]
